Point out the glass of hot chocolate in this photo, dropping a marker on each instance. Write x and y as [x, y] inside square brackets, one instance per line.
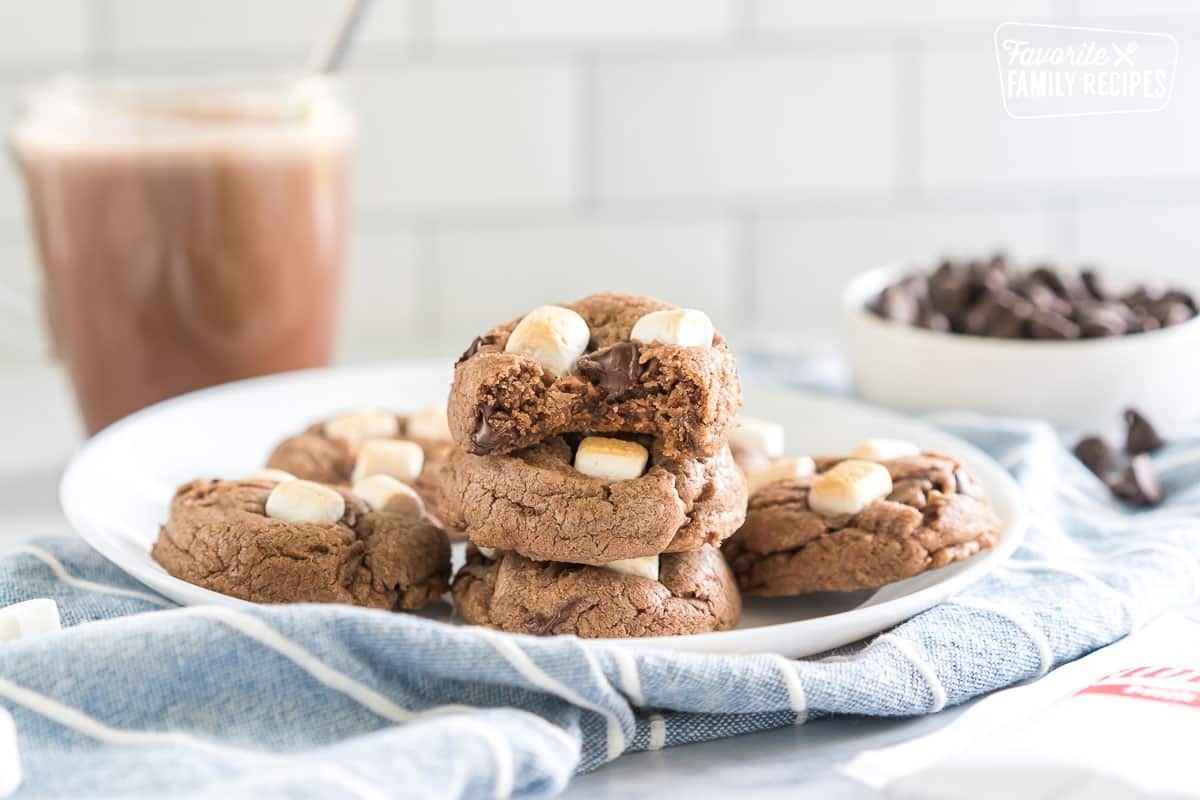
[189, 234]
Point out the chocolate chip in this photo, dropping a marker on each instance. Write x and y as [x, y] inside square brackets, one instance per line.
[1180, 296]
[1000, 313]
[541, 625]
[897, 304]
[977, 297]
[1170, 312]
[1140, 435]
[477, 345]
[486, 439]
[1049, 278]
[933, 320]
[1048, 325]
[1138, 484]
[1096, 455]
[1100, 320]
[950, 293]
[1146, 323]
[964, 484]
[615, 370]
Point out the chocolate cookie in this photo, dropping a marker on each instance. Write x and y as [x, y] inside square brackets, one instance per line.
[536, 503]
[219, 536]
[314, 455]
[695, 593]
[685, 396]
[936, 513]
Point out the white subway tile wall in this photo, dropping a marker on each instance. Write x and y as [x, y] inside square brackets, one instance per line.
[744, 156]
[741, 127]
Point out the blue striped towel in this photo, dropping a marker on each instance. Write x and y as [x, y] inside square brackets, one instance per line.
[138, 698]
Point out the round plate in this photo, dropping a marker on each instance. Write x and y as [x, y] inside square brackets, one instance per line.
[117, 489]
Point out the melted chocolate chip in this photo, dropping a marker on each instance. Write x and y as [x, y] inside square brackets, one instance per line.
[964, 484]
[1138, 484]
[1096, 455]
[486, 439]
[476, 346]
[470, 351]
[1140, 436]
[615, 370]
[541, 625]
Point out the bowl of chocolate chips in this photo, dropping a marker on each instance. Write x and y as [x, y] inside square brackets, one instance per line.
[1070, 346]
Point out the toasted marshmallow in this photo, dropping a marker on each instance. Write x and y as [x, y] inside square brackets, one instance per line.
[611, 459]
[849, 487]
[554, 336]
[386, 495]
[779, 470]
[884, 449]
[305, 501]
[399, 458]
[430, 424]
[272, 474]
[685, 327]
[645, 567]
[758, 434]
[29, 618]
[360, 426]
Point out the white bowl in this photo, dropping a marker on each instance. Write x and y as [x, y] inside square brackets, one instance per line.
[1076, 384]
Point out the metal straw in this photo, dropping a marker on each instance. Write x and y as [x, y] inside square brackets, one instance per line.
[327, 56]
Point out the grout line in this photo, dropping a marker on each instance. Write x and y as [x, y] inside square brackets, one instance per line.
[421, 33]
[1063, 221]
[585, 119]
[907, 96]
[429, 288]
[101, 36]
[980, 198]
[745, 269]
[422, 46]
[746, 22]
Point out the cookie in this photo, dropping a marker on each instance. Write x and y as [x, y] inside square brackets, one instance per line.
[536, 503]
[935, 514]
[592, 377]
[695, 593]
[219, 536]
[314, 455]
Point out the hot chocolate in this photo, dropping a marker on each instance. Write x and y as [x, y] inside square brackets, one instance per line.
[187, 239]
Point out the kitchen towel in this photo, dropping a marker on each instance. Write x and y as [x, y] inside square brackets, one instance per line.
[138, 698]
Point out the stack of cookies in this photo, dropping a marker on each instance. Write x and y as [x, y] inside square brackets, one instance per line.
[592, 474]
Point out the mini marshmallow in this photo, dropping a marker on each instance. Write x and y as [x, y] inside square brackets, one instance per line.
[611, 459]
[685, 327]
[849, 487]
[778, 471]
[645, 567]
[360, 426]
[884, 449]
[487, 552]
[399, 458]
[430, 424]
[554, 336]
[305, 501]
[386, 495]
[272, 474]
[758, 434]
[29, 618]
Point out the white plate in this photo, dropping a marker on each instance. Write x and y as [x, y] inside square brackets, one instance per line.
[116, 491]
